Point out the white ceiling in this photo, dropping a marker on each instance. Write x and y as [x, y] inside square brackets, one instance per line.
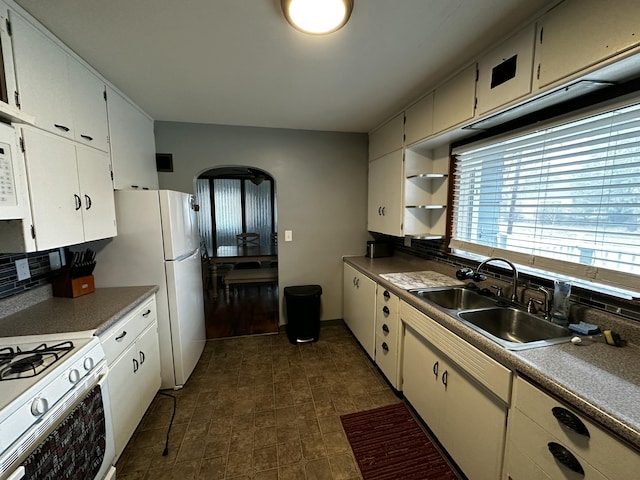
[238, 62]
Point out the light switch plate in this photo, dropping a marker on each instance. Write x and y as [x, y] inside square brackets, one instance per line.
[22, 268]
[407, 241]
[288, 235]
[54, 260]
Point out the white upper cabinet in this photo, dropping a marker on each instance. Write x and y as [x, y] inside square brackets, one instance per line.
[454, 101]
[72, 197]
[385, 194]
[505, 73]
[42, 78]
[578, 34]
[89, 106]
[419, 120]
[133, 148]
[387, 138]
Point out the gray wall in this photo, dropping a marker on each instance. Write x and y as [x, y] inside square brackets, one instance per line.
[321, 192]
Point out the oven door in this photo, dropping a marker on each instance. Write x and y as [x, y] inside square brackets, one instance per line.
[78, 445]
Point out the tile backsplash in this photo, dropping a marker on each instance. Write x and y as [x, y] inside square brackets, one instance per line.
[39, 268]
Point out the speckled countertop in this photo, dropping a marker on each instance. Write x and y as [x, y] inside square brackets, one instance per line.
[93, 313]
[601, 381]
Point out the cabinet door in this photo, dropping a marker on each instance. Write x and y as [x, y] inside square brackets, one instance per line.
[419, 120]
[147, 376]
[421, 372]
[454, 101]
[386, 180]
[578, 34]
[123, 392]
[132, 144]
[505, 73]
[89, 106]
[98, 203]
[42, 79]
[359, 307]
[470, 408]
[56, 204]
[387, 138]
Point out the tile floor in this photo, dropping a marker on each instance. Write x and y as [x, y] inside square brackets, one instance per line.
[260, 408]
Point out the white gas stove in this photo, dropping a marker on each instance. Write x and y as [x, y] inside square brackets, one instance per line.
[41, 379]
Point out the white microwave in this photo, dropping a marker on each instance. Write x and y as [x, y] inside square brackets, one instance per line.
[13, 184]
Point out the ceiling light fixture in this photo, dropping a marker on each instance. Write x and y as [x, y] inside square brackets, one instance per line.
[317, 17]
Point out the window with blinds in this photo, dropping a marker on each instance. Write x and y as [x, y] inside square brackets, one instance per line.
[562, 199]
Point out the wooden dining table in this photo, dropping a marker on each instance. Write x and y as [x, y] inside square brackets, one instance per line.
[235, 254]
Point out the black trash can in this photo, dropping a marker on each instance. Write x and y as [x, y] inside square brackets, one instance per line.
[303, 313]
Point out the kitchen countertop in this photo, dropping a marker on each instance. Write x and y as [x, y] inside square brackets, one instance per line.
[601, 381]
[93, 313]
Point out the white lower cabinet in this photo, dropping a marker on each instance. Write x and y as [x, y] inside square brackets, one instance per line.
[359, 297]
[133, 355]
[387, 352]
[547, 440]
[449, 382]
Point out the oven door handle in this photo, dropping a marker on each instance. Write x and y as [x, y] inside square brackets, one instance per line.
[18, 474]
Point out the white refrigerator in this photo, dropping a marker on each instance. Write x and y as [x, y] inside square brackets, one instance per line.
[158, 244]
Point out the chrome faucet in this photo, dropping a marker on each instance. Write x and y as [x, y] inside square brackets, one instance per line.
[548, 301]
[514, 293]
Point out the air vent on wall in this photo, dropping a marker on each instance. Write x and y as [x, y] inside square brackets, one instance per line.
[164, 162]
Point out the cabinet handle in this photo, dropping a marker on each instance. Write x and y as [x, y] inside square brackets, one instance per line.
[380, 211]
[357, 283]
[87, 137]
[136, 365]
[570, 420]
[121, 336]
[386, 295]
[385, 328]
[87, 201]
[383, 211]
[445, 376]
[435, 369]
[142, 357]
[385, 347]
[78, 201]
[61, 127]
[146, 314]
[386, 311]
[565, 457]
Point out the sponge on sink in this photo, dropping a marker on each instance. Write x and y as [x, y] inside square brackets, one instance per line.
[584, 328]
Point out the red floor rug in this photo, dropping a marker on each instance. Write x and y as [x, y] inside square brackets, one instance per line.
[389, 445]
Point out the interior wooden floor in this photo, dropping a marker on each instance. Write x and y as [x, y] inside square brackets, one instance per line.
[252, 310]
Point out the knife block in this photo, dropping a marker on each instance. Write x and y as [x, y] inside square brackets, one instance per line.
[64, 285]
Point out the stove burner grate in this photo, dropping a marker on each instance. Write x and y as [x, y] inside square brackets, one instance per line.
[18, 363]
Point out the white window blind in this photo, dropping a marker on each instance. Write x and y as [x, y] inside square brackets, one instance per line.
[562, 199]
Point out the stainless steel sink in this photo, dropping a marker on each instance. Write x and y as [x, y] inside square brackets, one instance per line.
[514, 329]
[455, 298]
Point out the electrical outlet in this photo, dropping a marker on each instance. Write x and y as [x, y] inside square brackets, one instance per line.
[407, 241]
[288, 235]
[22, 267]
[54, 260]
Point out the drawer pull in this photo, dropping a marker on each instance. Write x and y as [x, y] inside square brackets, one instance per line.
[435, 369]
[570, 420]
[121, 336]
[385, 347]
[59, 126]
[386, 295]
[385, 310]
[136, 365]
[445, 377]
[565, 457]
[86, 137]
[142, 357]
[146, 314]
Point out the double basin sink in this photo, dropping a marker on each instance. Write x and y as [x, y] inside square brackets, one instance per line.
[495, 318]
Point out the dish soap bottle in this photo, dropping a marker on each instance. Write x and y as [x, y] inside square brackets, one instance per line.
[560, 312]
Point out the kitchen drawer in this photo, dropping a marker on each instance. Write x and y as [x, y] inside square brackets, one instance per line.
[387, 323]
[600, 448]
[529, 439]
[387, 359]
[482, 368]
[118, 338]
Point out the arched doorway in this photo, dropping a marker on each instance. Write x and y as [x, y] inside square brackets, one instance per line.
[238, 225]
